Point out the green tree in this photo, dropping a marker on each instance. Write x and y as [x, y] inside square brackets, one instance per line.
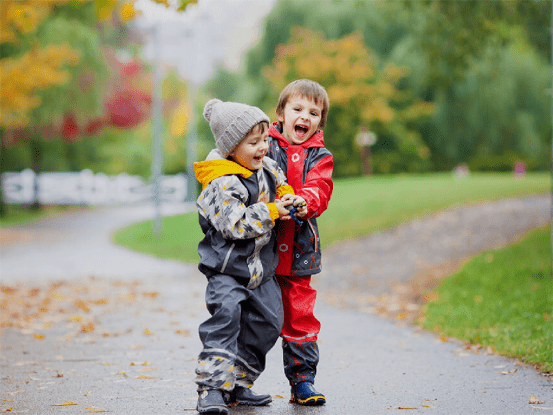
[362, 96]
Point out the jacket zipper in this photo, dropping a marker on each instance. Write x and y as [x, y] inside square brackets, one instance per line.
[315, 235]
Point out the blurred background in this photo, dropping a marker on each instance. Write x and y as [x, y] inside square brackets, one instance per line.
[118, 86]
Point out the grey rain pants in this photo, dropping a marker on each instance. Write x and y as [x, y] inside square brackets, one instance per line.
[244, 325]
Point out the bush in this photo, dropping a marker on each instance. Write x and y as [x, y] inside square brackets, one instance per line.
[504, 162]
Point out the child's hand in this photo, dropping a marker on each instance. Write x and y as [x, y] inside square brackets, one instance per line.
[298, 202]
[284, 214]
[301, 207]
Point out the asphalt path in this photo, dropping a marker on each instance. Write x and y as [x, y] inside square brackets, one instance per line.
[93, 327]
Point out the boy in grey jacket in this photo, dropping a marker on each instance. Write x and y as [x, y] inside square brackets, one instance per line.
[243, 194]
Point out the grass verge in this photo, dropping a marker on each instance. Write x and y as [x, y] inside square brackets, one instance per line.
[358, 207]
[501, 299]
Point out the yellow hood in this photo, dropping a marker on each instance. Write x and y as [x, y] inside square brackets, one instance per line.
[209, 170]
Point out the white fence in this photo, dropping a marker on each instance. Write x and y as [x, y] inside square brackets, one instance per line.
[88, 188]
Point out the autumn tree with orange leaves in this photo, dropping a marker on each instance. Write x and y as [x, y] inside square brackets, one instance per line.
[362, 95]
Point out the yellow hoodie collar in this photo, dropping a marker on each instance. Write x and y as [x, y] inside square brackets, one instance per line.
[209, 170]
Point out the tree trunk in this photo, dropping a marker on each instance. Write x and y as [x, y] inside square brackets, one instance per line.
[36, 162]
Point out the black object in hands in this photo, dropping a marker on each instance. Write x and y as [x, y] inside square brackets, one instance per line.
[293, 209]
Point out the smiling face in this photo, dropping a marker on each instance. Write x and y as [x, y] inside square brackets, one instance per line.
[300, 118]
[251, 150]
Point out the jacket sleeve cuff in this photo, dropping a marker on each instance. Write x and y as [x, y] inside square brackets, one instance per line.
[273, 211]
[283, 190]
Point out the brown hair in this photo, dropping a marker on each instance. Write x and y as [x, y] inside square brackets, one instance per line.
[260, 127]
[308, 89]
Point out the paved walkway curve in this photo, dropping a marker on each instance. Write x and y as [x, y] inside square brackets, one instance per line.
[415, 255]
[110, 329]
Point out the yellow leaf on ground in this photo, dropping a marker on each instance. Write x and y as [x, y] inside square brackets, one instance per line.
[38, 336]
[535, 401]
[95, 410]
[66, 404]
[146, 377]
[406, 407]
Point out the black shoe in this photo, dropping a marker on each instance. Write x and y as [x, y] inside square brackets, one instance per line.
[304, 393]
[245, 396]
[211, 402]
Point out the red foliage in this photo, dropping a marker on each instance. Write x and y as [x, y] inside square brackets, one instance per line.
[128, 108]
[15, 137]
[94, 126]
[125, 106]
[70, 131]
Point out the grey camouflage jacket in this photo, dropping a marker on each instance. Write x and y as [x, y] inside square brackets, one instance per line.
[237, 215]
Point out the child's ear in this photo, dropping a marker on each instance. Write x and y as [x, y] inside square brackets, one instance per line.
[280, 116]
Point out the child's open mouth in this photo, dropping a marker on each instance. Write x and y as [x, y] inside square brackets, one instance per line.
[300, 130]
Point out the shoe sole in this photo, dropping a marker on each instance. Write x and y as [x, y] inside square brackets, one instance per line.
[212, 410]
[311, 401]
[255, 403]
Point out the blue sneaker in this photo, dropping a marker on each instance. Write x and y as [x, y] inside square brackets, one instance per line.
[304, 393]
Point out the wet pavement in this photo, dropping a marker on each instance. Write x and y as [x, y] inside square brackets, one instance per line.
[94, 327]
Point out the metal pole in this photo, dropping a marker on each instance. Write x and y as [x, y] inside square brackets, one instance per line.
[191, 143]
[157, 152]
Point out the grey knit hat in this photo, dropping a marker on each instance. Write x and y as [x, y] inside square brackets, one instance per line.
[230, 122]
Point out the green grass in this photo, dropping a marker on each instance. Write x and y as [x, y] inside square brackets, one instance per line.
[21, 214]
[502, 299]
[179, 240]
[358, 207]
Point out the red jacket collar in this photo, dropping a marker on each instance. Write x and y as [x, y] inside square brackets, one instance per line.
[316, 140]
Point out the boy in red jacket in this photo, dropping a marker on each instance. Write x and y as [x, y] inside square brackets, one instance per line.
[296, 143]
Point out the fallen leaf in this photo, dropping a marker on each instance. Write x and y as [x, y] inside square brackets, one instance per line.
[119, 373]
[147, 369]
[444, 339]
[94, 410]
[14, 392]
[146, 377]
[278, 397]
[151, 294]
[8, 409]
[535, 401]
[66, 404]
[87, 328]
[147, 332]
[38, 336]
[406, 407]
[75, 318]
[82, 305]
